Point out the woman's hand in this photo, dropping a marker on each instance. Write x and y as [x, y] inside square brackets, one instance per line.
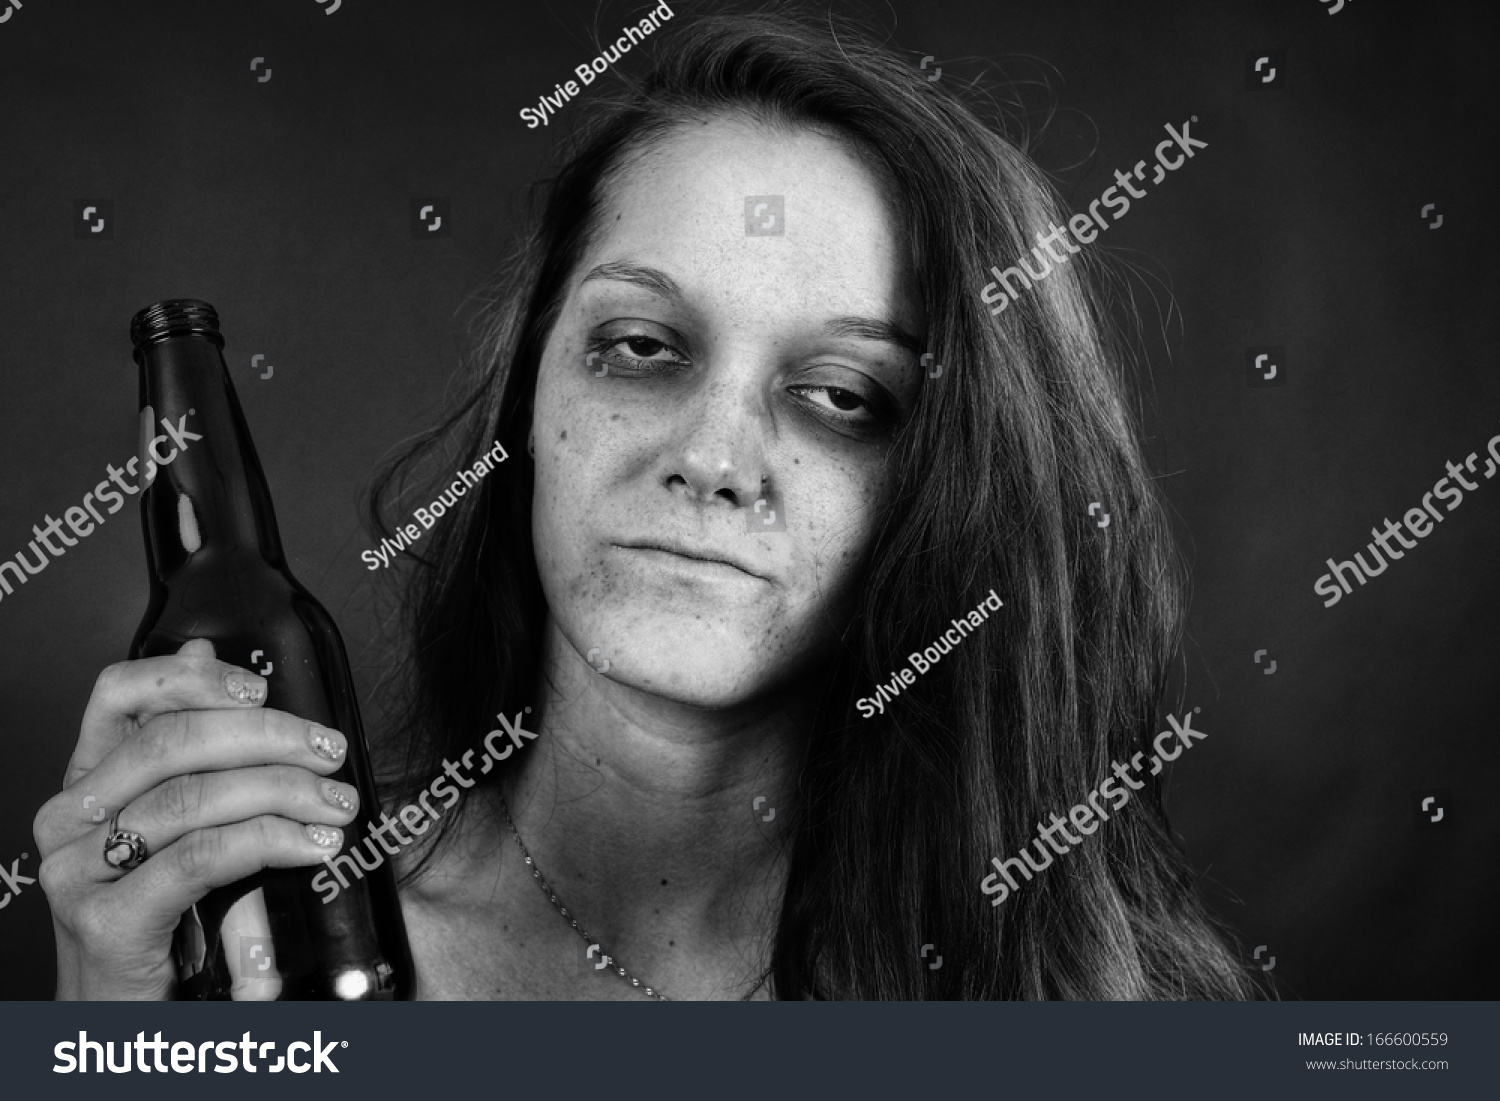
[219, 786]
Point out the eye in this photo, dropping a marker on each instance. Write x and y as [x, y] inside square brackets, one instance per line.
[834, 398]
[643, 347]
[846, 401]
[636, 354]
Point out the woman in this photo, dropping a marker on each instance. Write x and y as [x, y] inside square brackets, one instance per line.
[768, 440]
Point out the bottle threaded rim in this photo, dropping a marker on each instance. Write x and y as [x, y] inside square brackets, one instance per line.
[174, 317]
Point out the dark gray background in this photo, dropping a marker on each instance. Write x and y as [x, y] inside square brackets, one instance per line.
[286, 204]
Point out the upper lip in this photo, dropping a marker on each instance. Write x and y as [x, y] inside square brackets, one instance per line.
[702, 554]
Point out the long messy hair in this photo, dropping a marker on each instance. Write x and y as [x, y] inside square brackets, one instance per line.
[899, 815]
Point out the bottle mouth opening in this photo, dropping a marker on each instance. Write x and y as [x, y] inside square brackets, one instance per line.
[174, 317]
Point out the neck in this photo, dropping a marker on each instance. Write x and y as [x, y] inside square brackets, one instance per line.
[642, 813]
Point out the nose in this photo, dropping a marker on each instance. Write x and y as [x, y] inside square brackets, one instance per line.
[718, 454]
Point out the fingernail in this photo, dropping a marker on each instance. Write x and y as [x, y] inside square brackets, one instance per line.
[338, 795]
[328, 744]
[244, 687]
[327, 836]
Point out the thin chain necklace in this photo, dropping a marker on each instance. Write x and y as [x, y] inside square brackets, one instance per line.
[590, 941]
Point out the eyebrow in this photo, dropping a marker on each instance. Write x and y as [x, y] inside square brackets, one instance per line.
[660, 283]
[871, 328]
[651, 279]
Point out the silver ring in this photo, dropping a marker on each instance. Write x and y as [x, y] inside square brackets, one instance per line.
[124, 849]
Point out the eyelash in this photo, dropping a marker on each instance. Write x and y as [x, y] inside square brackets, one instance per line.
[641, 366]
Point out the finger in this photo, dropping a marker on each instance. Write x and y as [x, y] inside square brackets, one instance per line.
[249, 950]
[137, 912]
[131, 693]
[198, 800]
[184, 742]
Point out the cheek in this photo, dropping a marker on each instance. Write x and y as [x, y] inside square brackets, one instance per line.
[569, 563]
[579, 464]
[560, 496]
[843, 510]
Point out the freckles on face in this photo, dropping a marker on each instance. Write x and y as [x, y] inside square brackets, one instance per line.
[712, 429]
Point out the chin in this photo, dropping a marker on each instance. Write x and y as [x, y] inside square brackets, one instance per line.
[689, 662]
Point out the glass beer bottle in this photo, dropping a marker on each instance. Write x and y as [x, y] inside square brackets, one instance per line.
[217, 572]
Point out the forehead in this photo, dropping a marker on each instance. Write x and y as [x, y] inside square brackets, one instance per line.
[697, 202]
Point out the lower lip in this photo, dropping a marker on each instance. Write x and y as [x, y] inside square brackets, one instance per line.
[694, 568]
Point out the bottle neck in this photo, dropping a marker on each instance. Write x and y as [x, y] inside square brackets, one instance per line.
[203, 495]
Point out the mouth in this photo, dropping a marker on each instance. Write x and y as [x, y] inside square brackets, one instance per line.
[693, 554]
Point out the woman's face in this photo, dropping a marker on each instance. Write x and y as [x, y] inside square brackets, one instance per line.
[716, 408]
